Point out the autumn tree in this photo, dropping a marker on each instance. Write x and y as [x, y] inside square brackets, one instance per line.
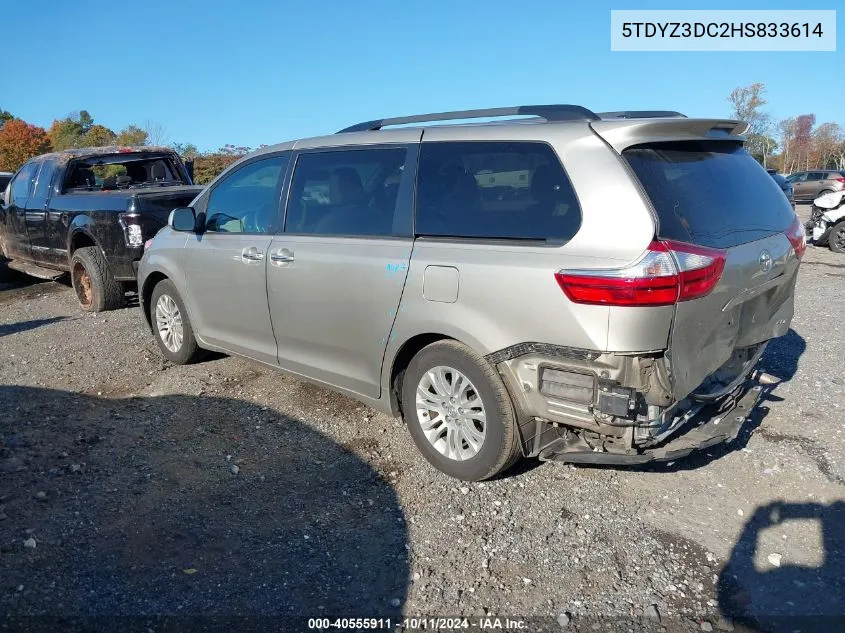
[20, 141]
[208, 165]
[132, 135]
[827, 141]
[747, 103]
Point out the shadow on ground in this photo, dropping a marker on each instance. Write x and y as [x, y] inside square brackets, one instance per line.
[23, 326]
[793, 596]
[185, 506]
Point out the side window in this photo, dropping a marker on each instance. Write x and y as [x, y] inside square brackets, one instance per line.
[246, 200]
[345, 192]
[22, 184]
[43, 181]
[494, 190]
[815, 175]
[800, 177]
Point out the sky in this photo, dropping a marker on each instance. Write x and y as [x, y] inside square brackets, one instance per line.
[260, 72]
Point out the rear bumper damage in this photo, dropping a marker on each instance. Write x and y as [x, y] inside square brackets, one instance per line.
[712, 424]
[597, 408]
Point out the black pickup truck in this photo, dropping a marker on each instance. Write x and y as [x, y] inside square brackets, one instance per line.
[88, 212]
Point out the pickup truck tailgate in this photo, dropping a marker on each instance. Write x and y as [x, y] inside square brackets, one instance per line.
[155, 204]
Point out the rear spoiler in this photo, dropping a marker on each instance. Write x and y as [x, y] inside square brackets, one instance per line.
[624, 133]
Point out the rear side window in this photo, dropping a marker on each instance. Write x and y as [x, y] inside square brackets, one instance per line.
[710, 193]
[494, 190]
[345, 192]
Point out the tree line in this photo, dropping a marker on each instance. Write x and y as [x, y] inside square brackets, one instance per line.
[792, 144]
[20, 141]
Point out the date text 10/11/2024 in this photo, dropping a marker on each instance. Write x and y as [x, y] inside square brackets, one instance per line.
[421, 623]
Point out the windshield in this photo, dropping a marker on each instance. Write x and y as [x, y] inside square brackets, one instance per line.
[122, 171]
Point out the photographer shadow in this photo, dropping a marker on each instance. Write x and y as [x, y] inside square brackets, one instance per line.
[188, 513]
[762, 592]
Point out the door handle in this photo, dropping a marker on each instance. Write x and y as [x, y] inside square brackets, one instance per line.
[282, 256]
[252, 254]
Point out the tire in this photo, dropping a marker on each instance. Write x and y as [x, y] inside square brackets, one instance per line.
[179, 351]
[93, 281]
[836, 238]
[499, 447]
[823, 193]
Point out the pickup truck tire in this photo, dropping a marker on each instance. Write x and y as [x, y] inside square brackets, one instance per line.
[171, 325]
[95, 286]
[441, 380]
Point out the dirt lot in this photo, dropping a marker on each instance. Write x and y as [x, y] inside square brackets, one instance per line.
[131, 487]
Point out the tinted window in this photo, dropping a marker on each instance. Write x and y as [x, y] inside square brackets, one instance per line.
[22, 183]
[710, 193]
[246, 201]
[494, 190]
[815, 175]
[44, 180]
[4, 180]
[346, 192]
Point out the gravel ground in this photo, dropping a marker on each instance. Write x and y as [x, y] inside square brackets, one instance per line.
[132, 487]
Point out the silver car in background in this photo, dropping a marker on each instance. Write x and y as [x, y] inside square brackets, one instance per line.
[580, 287]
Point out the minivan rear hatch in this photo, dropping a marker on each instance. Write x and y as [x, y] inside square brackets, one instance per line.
[713, 194]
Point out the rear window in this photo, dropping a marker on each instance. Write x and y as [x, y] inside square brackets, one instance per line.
[494, 190]
[711, 193]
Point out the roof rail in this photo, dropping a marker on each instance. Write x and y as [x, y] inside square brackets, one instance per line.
[642, 114]
[554, 112]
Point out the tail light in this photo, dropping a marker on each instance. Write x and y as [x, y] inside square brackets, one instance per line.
[797, 237]
[132, 232]
[839, 179]
[668, 272]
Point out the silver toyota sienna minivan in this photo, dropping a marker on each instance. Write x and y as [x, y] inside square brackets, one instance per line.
[580, 287]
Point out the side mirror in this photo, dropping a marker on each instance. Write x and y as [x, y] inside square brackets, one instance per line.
[183, 220]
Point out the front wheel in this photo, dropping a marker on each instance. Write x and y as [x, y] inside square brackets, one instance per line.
[459, 413]
[836, 239]
[171, 325]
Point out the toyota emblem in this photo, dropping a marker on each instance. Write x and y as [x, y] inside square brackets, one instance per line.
[765, 261]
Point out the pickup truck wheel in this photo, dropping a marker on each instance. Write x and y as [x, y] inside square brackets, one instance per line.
[93, 282]
[171, 325]
[459, 413]
[836, 239]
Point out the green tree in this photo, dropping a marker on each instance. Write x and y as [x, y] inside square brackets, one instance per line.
[70, 132]
[5, 116]
[132, 135]
[185, 150]
[99, 136]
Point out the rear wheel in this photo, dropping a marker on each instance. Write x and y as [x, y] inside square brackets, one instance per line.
[823, 193]
[93, 282]
[171, 325]
[836, 239]
[459, 413]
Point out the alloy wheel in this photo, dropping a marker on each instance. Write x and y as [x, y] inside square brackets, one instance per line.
[169, 323]
[451, 413]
